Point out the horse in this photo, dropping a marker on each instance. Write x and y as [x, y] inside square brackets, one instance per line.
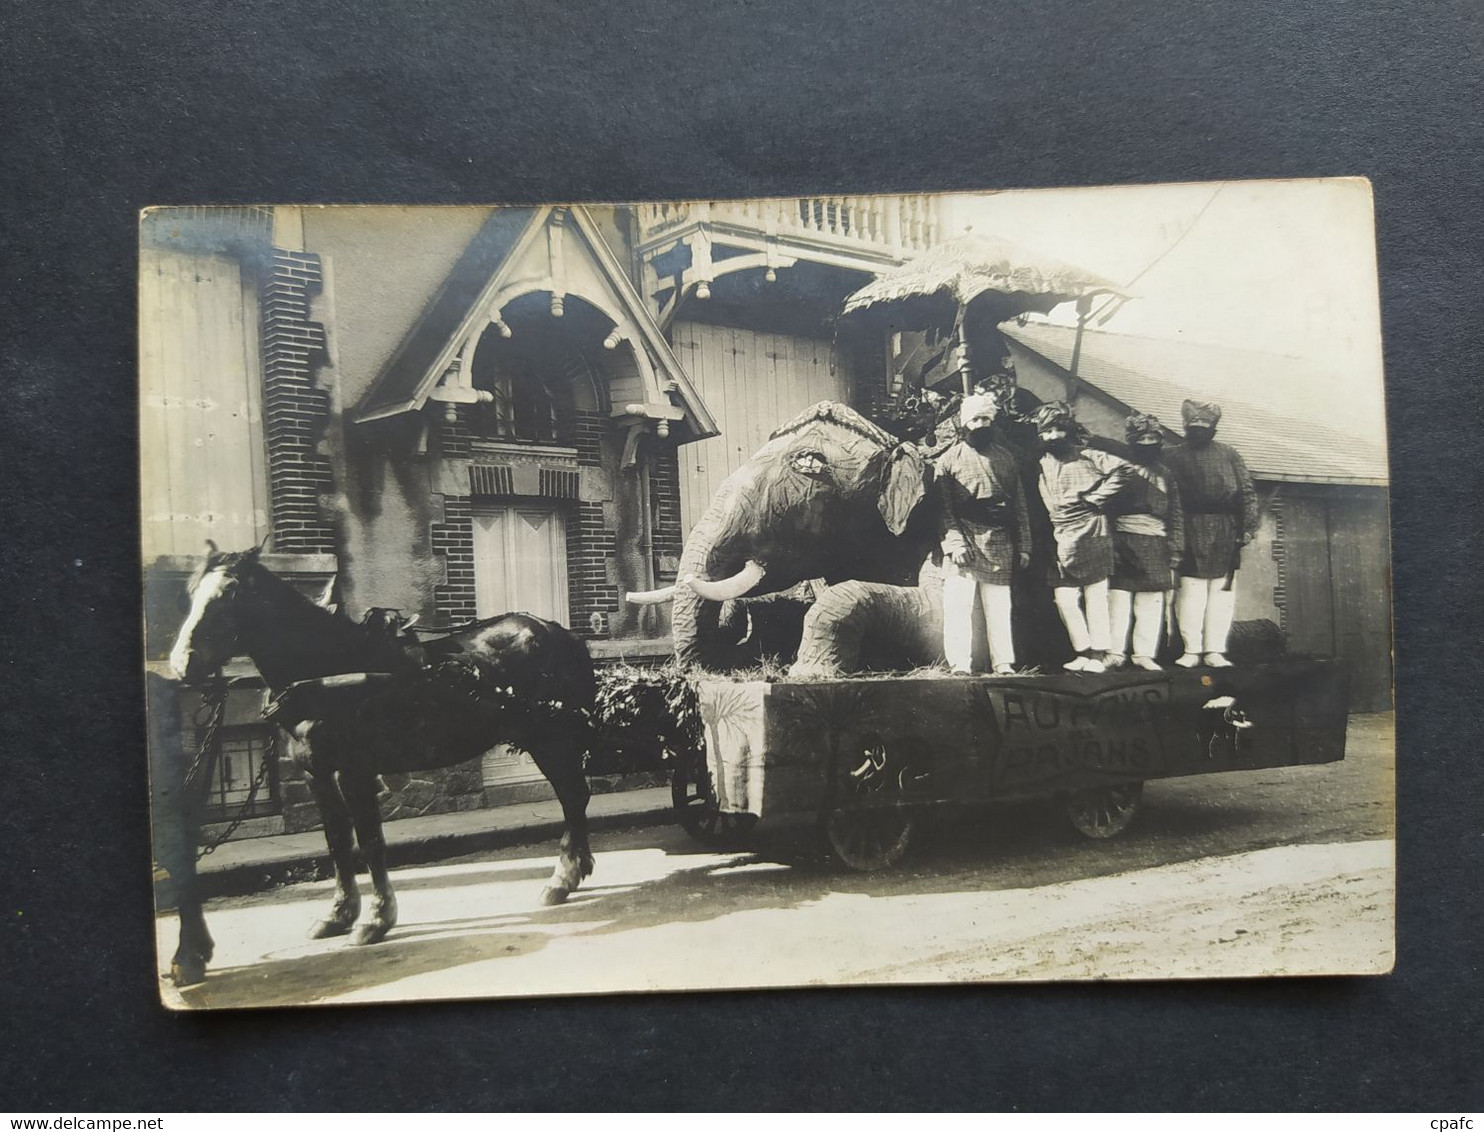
[367, 698]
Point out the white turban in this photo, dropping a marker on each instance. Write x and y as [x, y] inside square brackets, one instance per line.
[978, 405]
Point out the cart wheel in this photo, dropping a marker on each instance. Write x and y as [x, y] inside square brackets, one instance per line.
[1104, 811]
[696, 809]
[870, 839]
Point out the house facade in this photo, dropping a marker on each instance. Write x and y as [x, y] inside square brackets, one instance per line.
[459, 411]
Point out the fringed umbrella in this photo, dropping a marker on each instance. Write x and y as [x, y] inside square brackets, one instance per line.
[972, 283]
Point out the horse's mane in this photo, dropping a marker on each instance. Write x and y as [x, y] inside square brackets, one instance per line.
[330, 629]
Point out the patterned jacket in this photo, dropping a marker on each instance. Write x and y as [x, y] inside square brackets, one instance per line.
[981, 509]
[1220, 505]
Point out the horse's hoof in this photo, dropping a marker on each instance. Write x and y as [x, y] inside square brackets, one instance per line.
[371, 932]
[554, 894]
[187, 972]
[329, 929]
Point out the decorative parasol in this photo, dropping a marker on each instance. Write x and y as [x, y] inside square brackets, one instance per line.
[969, 285]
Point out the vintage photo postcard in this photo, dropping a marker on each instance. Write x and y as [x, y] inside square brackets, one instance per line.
[757, 593]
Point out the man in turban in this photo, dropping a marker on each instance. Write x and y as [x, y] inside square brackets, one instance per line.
[1078, 484]
[984, 532]
[1148, 544]
[1220, 508]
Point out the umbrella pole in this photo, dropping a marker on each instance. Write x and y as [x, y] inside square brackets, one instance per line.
[965, 369]
[1084, 309]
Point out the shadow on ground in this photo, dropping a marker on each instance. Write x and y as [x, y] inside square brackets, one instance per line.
[787, 867]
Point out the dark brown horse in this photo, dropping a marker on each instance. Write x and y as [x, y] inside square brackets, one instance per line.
[365, 699]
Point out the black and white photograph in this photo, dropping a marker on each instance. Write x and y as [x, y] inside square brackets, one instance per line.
[709, 595]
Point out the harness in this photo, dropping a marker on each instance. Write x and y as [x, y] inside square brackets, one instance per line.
[208, 720]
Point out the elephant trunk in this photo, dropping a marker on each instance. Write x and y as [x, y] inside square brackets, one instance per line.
[695, 618]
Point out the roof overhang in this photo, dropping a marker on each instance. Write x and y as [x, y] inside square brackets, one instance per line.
[519, 251]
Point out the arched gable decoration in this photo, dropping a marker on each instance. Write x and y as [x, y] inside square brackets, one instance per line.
[558, 253]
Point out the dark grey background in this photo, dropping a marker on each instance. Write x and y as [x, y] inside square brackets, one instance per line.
[108, 107]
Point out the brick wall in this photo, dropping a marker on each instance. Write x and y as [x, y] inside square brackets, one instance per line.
[295, 410]
[588, 429]
[667, 532]
[592, 595]
[454, 539]
[590, 545]
[455, 437]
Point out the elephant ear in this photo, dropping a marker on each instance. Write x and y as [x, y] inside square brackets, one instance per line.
[902, 486]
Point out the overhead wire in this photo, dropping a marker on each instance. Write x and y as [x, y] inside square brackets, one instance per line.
[1155, 262]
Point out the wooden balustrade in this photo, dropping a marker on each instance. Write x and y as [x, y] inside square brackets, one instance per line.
[900, 224]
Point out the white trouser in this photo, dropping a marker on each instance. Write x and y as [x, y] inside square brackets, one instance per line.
[964, 596]
[1144, 612]
[1084, 611]
[1204, 609]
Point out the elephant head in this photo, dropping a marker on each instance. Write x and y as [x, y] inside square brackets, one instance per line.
[827, 497]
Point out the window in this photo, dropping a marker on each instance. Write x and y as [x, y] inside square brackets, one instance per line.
[248, 755]
[524, 406]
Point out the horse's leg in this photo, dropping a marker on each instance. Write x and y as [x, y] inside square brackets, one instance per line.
[335, 815]
[561, 763]
[176, 816]
[360, 793]
[196, 945]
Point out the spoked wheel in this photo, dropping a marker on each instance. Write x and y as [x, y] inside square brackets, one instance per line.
[696, 808]
[870, 839]
[1104, 811]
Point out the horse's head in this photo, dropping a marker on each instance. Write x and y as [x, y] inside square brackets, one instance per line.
[209, 636]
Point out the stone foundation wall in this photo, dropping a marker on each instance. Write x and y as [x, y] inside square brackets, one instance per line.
[421, 793]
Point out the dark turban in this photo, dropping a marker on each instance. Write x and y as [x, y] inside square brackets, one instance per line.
[1201, 413]
[1141, 427]
[1058, 414]
[1001, 386]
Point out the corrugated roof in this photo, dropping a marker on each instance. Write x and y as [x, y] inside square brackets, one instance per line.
[1275, 407]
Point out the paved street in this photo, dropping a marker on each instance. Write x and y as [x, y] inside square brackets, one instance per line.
[1237, 874]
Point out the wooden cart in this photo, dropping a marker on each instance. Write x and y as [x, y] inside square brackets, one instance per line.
[870, 756]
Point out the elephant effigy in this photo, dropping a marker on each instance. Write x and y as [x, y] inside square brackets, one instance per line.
[858, 626]
[816, 546]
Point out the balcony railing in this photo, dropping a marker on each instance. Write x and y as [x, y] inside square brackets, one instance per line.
[898, 225]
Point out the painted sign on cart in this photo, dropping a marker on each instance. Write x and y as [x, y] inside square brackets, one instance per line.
[907, 741]
[1044, 733]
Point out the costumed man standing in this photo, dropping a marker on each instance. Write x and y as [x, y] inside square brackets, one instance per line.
[985, 532]
[1220, 506]
[1078, 484]
[1148, 544]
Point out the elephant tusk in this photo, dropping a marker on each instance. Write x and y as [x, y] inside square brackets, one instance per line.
[651, 597]
[744, 581]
